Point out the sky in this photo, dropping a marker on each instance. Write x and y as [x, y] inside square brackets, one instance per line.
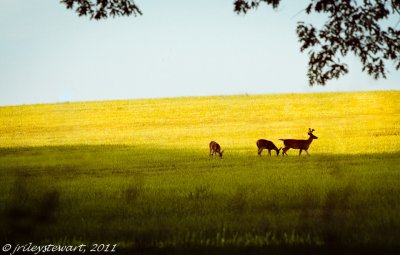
[177, 48]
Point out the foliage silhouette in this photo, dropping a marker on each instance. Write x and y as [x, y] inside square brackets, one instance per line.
[351, 26]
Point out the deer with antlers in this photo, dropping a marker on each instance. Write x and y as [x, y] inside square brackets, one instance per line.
[265, 144]
[215, 148]
[298, 144]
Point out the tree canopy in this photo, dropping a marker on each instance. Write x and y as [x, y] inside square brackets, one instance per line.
[352, 26]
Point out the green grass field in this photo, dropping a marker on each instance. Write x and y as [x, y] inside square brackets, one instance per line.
[137, 173]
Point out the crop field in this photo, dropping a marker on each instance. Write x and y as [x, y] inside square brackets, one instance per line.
[137, 173]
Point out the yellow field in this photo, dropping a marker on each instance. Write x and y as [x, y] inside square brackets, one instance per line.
[346, 123]
[137, 174]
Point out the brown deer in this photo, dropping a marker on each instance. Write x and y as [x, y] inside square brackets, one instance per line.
[215, 148]
[265, 144]
[298, 144]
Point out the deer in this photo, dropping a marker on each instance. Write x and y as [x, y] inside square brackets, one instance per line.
[298, 144]
[265, 144]
[215, 148]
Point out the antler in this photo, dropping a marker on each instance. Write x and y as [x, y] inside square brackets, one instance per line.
[311, 130]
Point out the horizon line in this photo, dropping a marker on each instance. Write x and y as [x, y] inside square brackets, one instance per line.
[198, 96]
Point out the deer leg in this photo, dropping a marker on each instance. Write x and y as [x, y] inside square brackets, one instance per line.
[269, 152]
[259, 151]
[284, 150]
[300, 152]
[307, 152]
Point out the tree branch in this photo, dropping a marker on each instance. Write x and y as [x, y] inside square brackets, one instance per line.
[102, 9]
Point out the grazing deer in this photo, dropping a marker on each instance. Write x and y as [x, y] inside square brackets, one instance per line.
[215, 148]
[265, 144]
[298, 144]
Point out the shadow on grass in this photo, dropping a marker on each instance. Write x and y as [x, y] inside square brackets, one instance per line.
[155, 151]
[270, 250]
[164, 218]
[25, 213]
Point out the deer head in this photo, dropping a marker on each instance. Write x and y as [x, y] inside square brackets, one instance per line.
[310, 133]
[220, 154]
[277, 152]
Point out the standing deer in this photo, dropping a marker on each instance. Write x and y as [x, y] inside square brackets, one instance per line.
[298, 144]
[215, 148]
[265, 144]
